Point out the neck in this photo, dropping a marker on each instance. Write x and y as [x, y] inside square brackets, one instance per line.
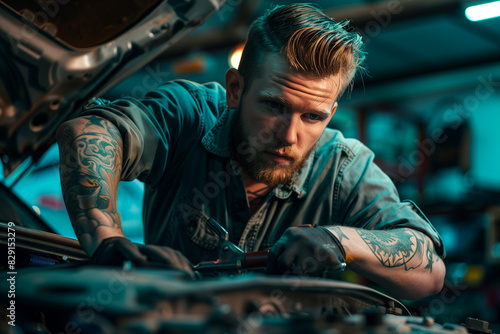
[256, 193]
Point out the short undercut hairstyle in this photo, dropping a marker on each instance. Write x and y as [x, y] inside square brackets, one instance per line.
[308, 40]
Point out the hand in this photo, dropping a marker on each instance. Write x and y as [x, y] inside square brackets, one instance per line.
[113, 251]
[306, 251]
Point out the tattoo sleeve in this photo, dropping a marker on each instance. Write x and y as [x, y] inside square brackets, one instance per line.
[90, 168]
[399, 247]
[431, 255]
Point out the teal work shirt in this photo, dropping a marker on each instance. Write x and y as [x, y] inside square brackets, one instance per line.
[177, 141]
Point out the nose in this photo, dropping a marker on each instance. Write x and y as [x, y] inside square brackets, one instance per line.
[287, 130]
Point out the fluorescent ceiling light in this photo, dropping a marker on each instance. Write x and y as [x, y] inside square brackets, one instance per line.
[484, 11]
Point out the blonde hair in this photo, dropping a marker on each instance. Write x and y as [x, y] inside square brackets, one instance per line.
[308, 40]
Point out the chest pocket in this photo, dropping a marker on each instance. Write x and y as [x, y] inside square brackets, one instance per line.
[195, 226]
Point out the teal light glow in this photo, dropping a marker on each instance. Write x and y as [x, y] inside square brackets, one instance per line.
[483, 12]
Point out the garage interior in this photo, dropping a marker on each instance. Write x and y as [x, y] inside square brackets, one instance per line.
[428, 106]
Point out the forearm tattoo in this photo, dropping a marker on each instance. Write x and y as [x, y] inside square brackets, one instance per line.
[400, 247]
[90, 172]
[338, 232]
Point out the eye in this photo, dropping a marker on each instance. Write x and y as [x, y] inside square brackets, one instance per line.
[274, 106]
[313, 117]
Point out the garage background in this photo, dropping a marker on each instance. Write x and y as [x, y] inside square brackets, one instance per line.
[428, 106]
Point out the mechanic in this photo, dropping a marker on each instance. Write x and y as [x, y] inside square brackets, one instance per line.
[259, 159]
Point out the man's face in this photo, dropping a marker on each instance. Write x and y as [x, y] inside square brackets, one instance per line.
[280, 117]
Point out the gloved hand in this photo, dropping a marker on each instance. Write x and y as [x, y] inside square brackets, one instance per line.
[113, 251]
[306, 251]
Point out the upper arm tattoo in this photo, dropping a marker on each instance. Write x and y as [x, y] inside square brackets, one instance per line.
[397, 247]
[431, 255]
[90, 172]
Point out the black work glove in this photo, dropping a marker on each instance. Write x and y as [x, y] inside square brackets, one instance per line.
[309, 251]
[113, 251]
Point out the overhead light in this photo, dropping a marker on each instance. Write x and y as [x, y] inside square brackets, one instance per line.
[235, 56]
[482, 12]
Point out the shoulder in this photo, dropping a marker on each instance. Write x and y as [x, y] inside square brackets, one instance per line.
[188, 96]
[211, 91]
[333, 142]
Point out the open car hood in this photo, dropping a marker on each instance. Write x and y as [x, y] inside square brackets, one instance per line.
[56, 54]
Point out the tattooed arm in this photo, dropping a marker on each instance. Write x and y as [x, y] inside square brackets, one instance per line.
[90, 165]
[403, 261]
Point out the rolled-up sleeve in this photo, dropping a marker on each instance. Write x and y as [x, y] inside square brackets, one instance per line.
[367, 198]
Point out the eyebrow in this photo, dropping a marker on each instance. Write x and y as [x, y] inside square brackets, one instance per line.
[288, 105]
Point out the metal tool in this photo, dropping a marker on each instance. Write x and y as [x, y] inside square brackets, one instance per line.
[231, 259]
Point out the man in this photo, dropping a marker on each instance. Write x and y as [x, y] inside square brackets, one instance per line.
[257, 159]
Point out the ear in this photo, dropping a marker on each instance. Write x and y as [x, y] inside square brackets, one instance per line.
[334, 109]
[234, 88]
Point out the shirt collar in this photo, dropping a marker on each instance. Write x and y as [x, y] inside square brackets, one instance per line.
[216, 141]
